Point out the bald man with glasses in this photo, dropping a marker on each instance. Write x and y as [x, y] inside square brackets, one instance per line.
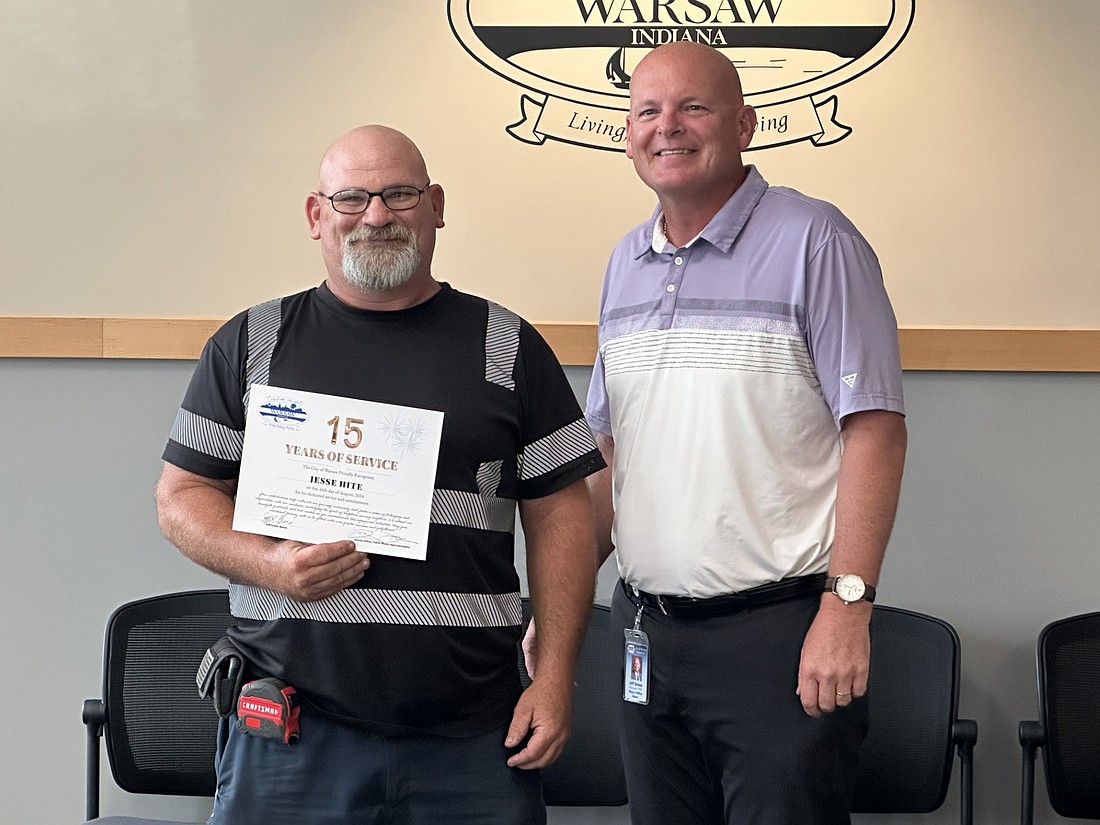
[403, 671]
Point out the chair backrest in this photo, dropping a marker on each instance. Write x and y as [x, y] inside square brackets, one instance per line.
[160, 733]
[590, 768]
[1069, 706]
[905, 761]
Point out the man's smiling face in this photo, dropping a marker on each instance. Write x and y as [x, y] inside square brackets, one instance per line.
[688, 123]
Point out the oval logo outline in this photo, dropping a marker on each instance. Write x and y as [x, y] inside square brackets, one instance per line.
[464, 28]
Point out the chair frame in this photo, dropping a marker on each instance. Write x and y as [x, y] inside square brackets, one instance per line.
[97, 713]
[1032, 733]
[595, 697]
[962, 734]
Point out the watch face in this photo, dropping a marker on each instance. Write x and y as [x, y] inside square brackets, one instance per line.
[850, 587]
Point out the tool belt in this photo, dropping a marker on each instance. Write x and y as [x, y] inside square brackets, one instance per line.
[266, 707]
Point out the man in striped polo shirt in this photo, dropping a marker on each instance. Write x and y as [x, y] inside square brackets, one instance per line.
[747, 397]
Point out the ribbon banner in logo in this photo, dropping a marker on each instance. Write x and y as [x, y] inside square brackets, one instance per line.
[599, 127]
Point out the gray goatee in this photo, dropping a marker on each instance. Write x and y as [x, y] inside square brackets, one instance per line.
[384, 267]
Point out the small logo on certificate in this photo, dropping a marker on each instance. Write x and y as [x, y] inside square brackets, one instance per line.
[284, 413]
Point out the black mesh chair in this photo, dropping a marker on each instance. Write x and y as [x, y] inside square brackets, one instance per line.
[1068, 730]
[905, 763]
[590, 768]
[160, 734]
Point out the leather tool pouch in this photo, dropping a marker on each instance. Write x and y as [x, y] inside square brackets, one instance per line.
[221, 675]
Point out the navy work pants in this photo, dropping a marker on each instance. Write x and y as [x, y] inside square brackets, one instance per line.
[337, 775]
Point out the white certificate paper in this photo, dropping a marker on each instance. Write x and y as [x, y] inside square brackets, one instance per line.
[319, 468]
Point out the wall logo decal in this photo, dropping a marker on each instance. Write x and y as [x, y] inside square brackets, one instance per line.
[575, 58]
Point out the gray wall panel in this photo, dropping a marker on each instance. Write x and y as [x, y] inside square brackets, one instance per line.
[994, 534]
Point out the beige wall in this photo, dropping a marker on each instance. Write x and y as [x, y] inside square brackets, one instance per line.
[157, 152]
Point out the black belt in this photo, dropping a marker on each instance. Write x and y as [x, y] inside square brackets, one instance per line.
[686, 607]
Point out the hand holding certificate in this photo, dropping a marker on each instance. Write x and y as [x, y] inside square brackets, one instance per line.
[320, 468]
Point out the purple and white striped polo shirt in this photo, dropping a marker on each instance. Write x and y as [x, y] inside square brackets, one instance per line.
[723, 371]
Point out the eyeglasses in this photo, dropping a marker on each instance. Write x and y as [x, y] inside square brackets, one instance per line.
[356, 201]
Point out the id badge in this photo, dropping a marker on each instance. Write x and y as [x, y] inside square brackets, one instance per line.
[636, 673]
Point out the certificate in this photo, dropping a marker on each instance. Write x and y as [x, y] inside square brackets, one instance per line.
[320, 468]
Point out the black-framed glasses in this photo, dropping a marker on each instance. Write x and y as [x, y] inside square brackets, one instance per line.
[356, 201]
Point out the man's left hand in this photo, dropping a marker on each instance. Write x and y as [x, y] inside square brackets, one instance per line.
[836, 656]
[543, 715]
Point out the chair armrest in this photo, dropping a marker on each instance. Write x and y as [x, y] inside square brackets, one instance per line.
[964, 733]
[94, 716]
[94, 713]
[1032, 737]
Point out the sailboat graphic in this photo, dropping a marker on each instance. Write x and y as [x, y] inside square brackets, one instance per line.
[616, 74]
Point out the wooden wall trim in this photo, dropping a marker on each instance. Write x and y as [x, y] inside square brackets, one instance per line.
[983, 349]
